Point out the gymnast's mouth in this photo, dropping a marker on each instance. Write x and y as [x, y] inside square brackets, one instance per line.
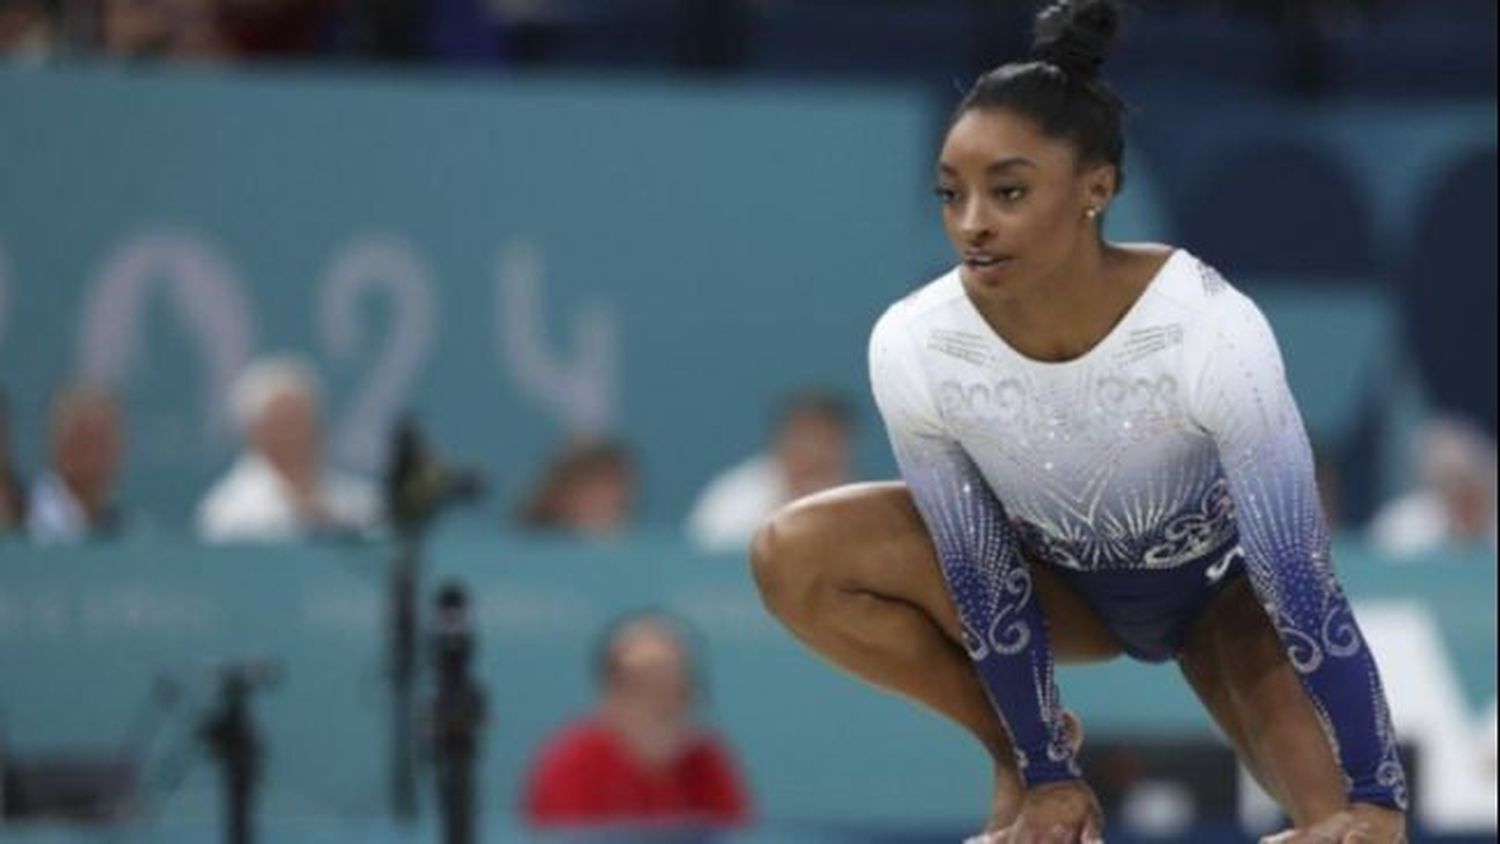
[982, 260]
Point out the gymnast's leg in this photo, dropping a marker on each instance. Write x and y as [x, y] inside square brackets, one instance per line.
[853, 574]
[1237, 665]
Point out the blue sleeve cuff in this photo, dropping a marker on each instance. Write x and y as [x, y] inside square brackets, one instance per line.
[1375, 794]
[1041, 772]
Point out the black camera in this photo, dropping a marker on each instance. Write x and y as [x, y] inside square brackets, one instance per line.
[452, 636]
[457, 714]
[419, 485]
[234, 741]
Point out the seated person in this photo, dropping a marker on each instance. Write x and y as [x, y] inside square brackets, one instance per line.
[809, 453]
[640, 758]
[279, 489]
[1455, 505]
[587, 490]
[12, 489]
[73, 499]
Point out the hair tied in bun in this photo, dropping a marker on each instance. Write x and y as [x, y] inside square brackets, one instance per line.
[1075, 35]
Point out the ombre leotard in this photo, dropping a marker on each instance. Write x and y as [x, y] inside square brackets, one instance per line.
[1148, 472]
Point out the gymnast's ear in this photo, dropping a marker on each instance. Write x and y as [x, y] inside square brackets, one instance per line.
[1099, 181]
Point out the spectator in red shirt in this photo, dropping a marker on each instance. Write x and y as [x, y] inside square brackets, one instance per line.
[640, 758]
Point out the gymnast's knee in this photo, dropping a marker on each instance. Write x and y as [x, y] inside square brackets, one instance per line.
[784, 561]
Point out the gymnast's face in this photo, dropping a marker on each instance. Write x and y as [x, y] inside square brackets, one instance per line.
[1014, 203]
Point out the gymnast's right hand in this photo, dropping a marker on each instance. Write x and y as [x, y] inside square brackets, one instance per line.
[1056, 813]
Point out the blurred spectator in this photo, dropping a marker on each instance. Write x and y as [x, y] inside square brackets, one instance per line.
[640, 758]
[73, 499]
[465, 31]
[279, 488]
[280, 28]
[172, 29]
[1455, 505]
[712, 35]
[28, 31]
[1489, 743]
[12, 489]
[1330, 487]
[809, 453]
[587, 490]
[388, 30]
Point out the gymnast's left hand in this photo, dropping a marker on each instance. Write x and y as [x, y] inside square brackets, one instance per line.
[1360, 824]
[1380, 825]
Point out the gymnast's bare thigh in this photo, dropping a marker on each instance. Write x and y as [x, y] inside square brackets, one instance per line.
[869, 537]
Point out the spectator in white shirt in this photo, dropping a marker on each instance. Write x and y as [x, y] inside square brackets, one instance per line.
[809, 452]
[1455, 505]
[73, 500]
[279, 489]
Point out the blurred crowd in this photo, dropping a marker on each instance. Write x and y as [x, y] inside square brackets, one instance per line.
[640, 753]
[711, 35]
[281, 487]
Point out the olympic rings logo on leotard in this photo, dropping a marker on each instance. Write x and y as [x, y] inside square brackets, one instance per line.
[1137, 399]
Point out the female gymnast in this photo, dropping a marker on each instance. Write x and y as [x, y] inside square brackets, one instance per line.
[1100, 455]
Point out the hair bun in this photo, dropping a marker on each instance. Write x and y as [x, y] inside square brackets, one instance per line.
[1075, 35]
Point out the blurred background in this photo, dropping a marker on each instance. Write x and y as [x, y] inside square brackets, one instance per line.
[389, 388]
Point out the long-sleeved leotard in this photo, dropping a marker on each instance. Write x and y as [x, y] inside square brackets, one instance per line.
[1142, 470]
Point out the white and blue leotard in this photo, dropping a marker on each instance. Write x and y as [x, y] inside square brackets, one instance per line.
[1168, 455]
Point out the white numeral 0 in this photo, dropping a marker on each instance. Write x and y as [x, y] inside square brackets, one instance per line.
[387, 265]
[203, 293]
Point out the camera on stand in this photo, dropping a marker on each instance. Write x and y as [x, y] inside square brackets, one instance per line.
[234, 742]
[457, 714]
[419, 486]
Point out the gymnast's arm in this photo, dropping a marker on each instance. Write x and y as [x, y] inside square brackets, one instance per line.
[1005, 632]
[1242, 399]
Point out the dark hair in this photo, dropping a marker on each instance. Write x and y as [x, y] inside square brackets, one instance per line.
[825, 404]
[576, 462]
[1058, 87]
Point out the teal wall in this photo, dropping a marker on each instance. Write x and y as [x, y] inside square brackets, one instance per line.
[512, 260]
[518, 258]
[84, 633]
